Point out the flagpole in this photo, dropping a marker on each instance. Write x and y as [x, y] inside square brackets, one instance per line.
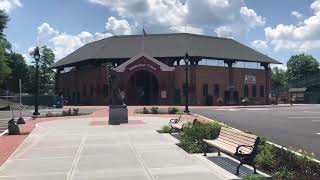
[142, 37]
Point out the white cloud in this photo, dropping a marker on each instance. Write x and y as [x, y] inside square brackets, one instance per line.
[280, 66]
[9, 5]
[296, 14]
[302, 37]
[118, 27]
[224, 31]
[231, 15]
[63, 43]
[259, 44]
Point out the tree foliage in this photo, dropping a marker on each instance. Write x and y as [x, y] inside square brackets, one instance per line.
[4, 46]
[279, 77]
[47, 76]
[301, 66]
[13, 66]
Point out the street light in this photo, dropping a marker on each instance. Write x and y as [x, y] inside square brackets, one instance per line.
[186, 61]
[36, 56]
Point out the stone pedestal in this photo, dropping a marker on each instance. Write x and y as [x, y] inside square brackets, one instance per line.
[118, 114]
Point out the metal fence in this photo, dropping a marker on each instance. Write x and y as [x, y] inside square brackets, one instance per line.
[44, 100]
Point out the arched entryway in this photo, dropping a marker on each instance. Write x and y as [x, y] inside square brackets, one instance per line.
[143, 89]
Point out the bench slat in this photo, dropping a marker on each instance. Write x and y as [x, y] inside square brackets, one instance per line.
[245, 149]
[235, 141]
[239, 133]
[226, 147]
[241, 139]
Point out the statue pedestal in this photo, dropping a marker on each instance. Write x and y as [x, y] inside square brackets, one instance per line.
[118, 114]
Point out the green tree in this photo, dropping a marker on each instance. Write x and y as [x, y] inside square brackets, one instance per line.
[279, 77]
[301, 66]
[47, 76]
[19, 71]
[4, 46]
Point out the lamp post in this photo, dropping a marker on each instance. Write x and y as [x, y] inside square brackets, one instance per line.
[36, 56]
[186, 61]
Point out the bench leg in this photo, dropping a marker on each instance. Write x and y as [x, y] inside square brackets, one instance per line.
[205, 149]
[254, 169]
[170, 130]
[237, 173]
[219, 154]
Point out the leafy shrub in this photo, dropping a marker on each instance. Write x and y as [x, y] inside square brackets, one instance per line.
[64, 113]
[145, 110]
[284, 174]
[173, 110]
[284, 164]
[75, 111]
[166, 129]
[265, 158]
[252, 177]
[192, 135]
[154, 110]
[69, 112]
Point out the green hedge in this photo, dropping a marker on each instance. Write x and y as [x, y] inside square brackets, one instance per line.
[192, 136]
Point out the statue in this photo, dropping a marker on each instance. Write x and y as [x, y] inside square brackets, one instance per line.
[118, 111]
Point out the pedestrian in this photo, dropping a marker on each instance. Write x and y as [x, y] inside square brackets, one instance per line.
[60, 101]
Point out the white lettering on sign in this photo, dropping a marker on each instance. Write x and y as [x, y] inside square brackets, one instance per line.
[249, 79]
[149, 66]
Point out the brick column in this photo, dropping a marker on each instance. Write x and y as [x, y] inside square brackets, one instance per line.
[267, 69]
[57, 79]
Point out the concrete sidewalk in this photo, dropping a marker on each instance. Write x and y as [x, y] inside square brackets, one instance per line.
[83, 149]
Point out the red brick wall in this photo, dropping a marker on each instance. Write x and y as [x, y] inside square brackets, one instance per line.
[74, 82]
[220, 75]
[198, 76]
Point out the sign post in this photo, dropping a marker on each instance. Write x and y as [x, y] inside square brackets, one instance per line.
[20, 120]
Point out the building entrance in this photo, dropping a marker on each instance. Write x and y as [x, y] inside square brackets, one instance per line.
[143, 89]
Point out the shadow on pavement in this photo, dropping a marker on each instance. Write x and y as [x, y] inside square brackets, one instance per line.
[230, 165]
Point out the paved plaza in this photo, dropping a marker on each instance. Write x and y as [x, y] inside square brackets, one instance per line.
[81, 149]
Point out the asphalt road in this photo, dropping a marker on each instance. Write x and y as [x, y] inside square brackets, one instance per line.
[5, 116]
[297, 126]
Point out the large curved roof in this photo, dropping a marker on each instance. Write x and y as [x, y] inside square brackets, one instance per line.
[164, 45]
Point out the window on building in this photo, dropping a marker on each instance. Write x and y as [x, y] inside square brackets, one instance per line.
[246, 90]
[205, 89]
[216, 90]
[91, 90]
[261, 91]
[105, 90]
[254, 91]
[84, 90]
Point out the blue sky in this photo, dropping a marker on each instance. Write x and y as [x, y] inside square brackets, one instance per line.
[273, 27]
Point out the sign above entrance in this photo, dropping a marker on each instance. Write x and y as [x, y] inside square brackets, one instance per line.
[154, 64]
[148, 66]
[249, 79]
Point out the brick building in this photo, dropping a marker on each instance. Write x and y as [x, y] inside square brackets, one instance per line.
[151, 70]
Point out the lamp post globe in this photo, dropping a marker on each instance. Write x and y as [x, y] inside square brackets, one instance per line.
[36, 56]
[186, 61]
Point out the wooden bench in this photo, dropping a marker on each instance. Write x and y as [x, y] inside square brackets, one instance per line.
[242, 145]
[180, 123]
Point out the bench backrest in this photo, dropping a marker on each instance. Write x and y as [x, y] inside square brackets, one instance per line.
[187, 119]
[235, 138]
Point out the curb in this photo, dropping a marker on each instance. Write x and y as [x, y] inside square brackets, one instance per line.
[277, 145]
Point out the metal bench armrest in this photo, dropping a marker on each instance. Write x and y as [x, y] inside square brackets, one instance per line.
[239, 152]
[173, 121]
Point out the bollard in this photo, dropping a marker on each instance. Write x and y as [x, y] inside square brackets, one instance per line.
[13, 128]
